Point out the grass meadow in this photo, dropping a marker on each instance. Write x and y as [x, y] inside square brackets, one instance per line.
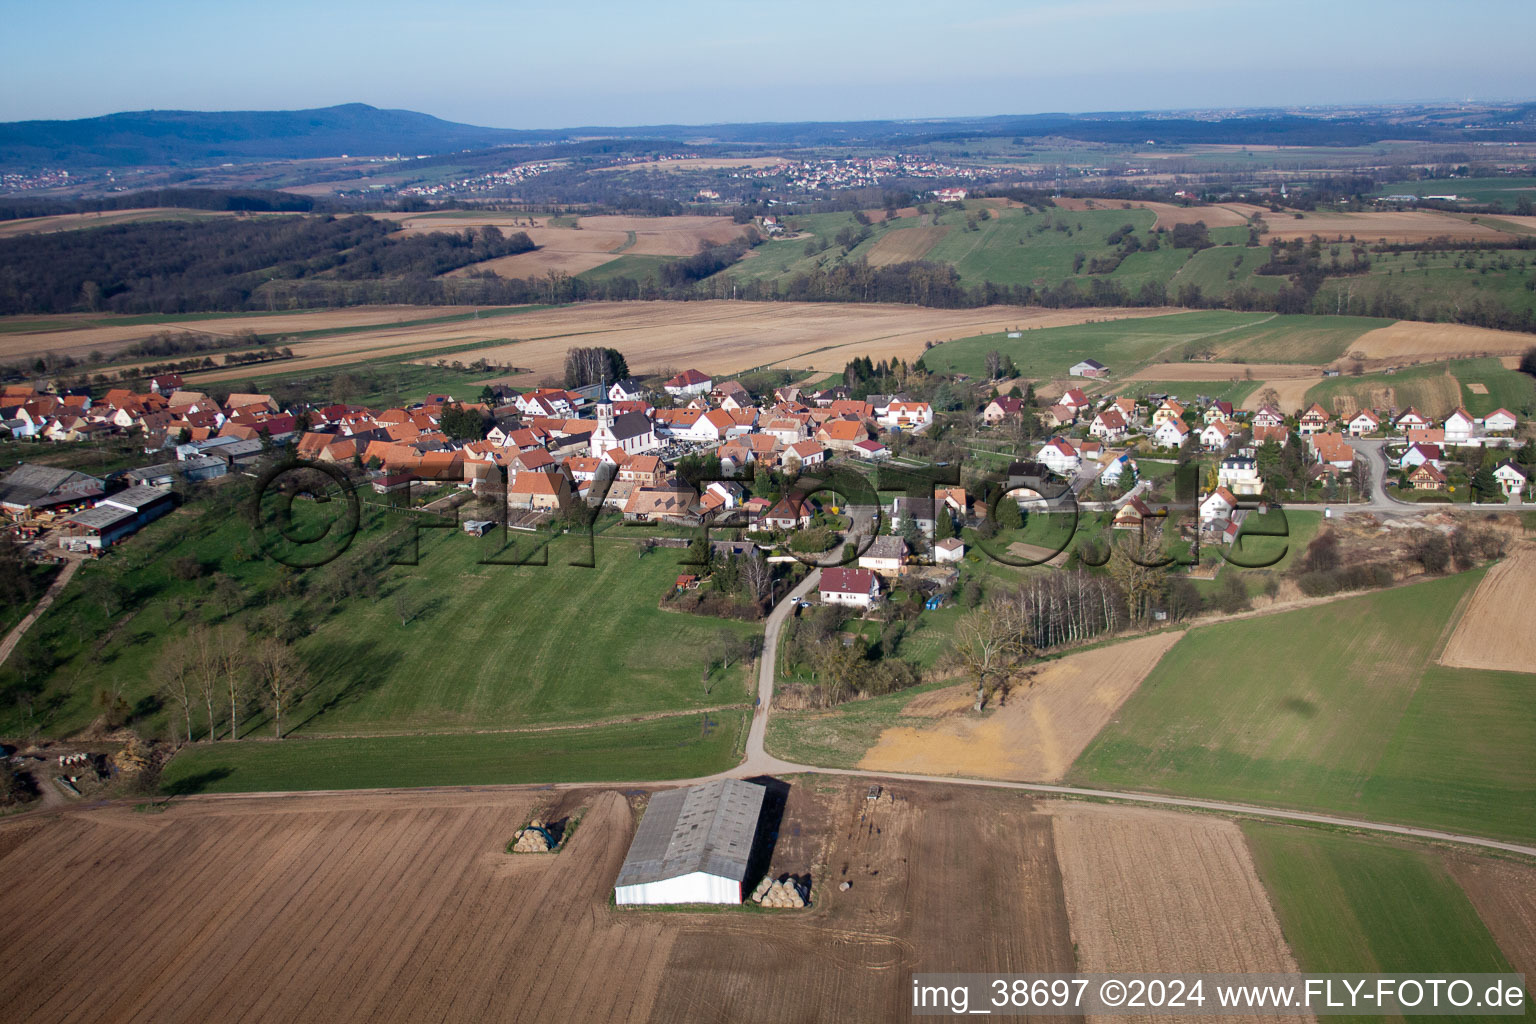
[1355, 904]
[1337, 708]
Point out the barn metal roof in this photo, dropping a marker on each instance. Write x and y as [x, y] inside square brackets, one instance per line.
[706, 828]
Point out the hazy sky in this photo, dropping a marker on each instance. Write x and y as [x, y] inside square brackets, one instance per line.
[516, 64]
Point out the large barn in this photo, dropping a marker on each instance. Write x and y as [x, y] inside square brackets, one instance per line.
[692, 846]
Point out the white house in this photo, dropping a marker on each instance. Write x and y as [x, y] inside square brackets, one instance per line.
[859, 588]
[805, 453]
[1059, 456]
[1511, 478]
[871, 450]
[885, 555]
[1217, 505]
[1114, 472]
[950, 549]
[692, 846]
[1411, 418]
[1216, 435]
[1239, 474]
[1420, 453]
[1109, 425]
[626, 390]
[689, 382]
[1500, 421]
[1459, 426]
[1076, 400]
[1364, 422]
[1170, 433]
[910, 416]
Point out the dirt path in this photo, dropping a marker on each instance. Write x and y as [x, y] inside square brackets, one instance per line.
[59, 582]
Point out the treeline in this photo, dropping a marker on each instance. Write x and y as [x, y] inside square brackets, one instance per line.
[223, 264]
[585, 366]
[246, 200]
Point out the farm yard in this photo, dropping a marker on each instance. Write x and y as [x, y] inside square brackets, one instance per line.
[295, 906]
[1337, 707]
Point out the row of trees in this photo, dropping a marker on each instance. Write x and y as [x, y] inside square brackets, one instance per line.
[585, 366]
[219, 670]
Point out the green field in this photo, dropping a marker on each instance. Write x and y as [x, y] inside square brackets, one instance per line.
[1234, 391]
[1426, 388]
[1297, 339]
[1336, 708]
[642, 269]
[481, 647]
[1122, 345]
[1506, 190]
[1507, 389]
[1349, 904]
[682, 746]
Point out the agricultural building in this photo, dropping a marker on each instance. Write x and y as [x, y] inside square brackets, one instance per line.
[692, 846]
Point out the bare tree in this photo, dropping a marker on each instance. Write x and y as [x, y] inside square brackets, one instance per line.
[757, 575]
[988, 645]
[202, 654]
[175, 671]
[229, 645]
[280, 679]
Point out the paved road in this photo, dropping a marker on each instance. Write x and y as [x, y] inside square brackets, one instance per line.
[759, 761]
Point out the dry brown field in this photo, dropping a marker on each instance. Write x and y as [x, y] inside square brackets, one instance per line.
[404, 907]
[74, 221]
[1504, 895]
[1041, 727]
[110, 337]
[1154, 891]
[1168, 214]
[1494, 631]
[1413, 341]
[1388, 225]
[904, 246]
[654, 236]
[538, 263]
[1289, 395]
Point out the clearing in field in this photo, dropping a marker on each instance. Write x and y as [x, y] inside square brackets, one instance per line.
[1039, 731]
[904, 246]
[1156, 891]
[1337, 707]
[1494, 631]
[1196, 371]
[405, 907]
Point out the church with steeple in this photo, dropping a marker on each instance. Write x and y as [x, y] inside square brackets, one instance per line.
[633, 433]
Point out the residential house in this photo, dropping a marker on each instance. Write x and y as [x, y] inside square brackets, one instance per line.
[1057, 416]
[923, 512]
[1314, 421]
[653, 503]
[1500, 421]
[1171, 433]
[1170, 409]
[909, 416]
[1076, 400]
[858, 588]
[1459, 427]
[1216, 435]
[1239, 474]
[1059, 456]
[790, 513]
[546, 490]
[841, 435]
[1000, 409]
[689, 382]
[1364, 422]
[950, 549]
[1268, 416]
[1109, 425]
[1277, 433]
[1113, 474]
[1425, 477]
[1219, 412]
[1131, 515]
[1511, 477]
[803, 455]
[874, 451]
[626, 390]
[1411, 418]
[1219, 504]
[1420, 453]
[885, 555]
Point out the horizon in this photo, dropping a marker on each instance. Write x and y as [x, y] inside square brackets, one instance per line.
[698, 65]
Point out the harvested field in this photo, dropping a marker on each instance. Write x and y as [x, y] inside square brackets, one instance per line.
[105, 336]
[1039, 730]
[911, 857]
[1202, 371]
[538, 263]
[1412, 341]
[668, 236]
[76, 221]
[404, 907]
[1155, 891]
[1048, 556]
[904, 246]
[1388, 225]
[1494, 631]
[1504, 894]
[298, 909]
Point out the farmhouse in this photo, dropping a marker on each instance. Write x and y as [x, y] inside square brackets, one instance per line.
[1089, 368]
[857, 587]
[692, 846]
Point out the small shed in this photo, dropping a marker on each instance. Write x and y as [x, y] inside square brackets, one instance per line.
[692, 846]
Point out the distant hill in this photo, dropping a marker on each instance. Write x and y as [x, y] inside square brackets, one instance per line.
[160, 137]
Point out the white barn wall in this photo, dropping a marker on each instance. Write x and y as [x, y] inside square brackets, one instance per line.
[695, 887]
